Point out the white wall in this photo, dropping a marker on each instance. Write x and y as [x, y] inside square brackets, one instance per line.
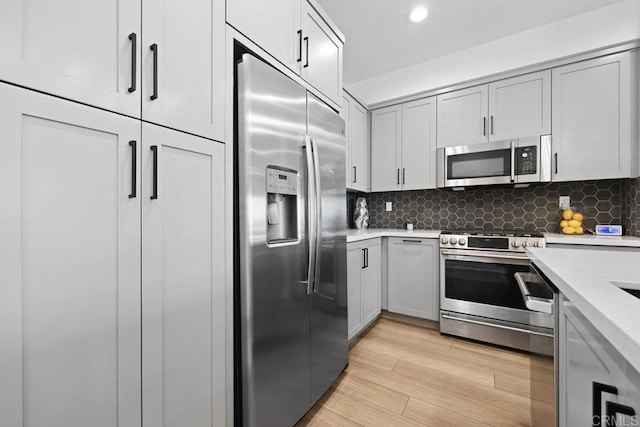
[610, 25]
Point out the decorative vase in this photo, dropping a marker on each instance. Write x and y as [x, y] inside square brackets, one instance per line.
[409, 226]
[361, 214]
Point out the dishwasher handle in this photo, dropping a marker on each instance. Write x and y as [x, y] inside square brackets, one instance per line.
[533, 303]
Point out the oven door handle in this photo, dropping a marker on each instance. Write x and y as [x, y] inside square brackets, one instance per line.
[479, 254]
[494, 325]
[542, 305]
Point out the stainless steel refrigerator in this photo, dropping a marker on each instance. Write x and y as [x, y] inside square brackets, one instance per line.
[290, 247]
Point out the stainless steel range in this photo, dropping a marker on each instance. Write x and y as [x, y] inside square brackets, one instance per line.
[483, 287]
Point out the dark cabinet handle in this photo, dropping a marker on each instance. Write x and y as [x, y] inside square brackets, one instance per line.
[154, 150]
[354, 175]
[596, 408]
[484, 126]
[363, 262]
[555, 158]
[366, 257]
[299, 46]
[491, 125]
[306, 62]
[134, 48]
[616, 408]
[134, 153]
[411, 241]
[398, 176]
[404, 181]
[154, 49]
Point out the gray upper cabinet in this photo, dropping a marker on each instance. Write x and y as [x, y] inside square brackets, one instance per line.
[462, 117]
[386, 139]
[520, 106]
[414, 286]
[419, 144]
[506, 109]
[403, 144]
[279, 37]
[296, 33]
[356, 118]
[594, 119]
[321, 61]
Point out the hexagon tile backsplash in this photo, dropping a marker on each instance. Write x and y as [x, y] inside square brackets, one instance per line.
[630, 194]
[532, 209]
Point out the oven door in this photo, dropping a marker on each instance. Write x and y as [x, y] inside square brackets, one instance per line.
[483, 283]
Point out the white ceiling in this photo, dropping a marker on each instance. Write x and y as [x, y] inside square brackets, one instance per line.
[380, 39]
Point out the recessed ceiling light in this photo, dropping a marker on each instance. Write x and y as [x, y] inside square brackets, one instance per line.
[418, 13]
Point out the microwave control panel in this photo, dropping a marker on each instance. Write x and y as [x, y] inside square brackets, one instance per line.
[526, 160]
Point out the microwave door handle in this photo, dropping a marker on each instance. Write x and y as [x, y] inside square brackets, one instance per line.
[513, 161]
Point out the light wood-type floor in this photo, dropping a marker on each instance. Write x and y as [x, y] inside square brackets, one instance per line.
[406, 375]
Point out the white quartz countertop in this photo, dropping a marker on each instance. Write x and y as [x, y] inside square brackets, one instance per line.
[585, 277]
[354, 235]
[590, 239]
[370, 233]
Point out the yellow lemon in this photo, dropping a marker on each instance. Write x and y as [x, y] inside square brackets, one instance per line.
[567, 214]
[564, 223]
[579, 230]
[578, 216]
[569, 230]
[575, 224]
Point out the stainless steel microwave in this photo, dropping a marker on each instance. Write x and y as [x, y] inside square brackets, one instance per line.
[518, 162]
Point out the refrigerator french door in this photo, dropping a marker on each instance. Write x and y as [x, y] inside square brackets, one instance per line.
[290, 254]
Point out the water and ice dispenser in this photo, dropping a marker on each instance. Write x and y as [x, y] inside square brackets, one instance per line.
[282, 205]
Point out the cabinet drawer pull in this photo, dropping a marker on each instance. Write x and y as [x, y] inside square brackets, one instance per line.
[354, 175]
[299, 59]
[596, 408]
[134, 153]
[154, 150]
[366, 257]
[154, 49]
[614, 408]
[362, 264]
[398, 176]
[491, 125]
[484, 126]
[555, 157]
[404, 181]
[411, 241]
[306, 62]
[134, 48]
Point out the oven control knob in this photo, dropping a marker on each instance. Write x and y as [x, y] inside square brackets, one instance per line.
[461, 241]
[536, 244]
[444, 240]
[516, 243]
[526, 243]
[453, 240]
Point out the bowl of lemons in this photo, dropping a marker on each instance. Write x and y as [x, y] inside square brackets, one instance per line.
[571, 222]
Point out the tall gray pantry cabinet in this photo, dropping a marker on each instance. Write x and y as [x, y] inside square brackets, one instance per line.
[111, 239]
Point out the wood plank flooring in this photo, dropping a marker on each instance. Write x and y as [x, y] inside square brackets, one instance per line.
[406, 375]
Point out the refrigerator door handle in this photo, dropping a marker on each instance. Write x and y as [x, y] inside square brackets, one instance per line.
[311, 212]
[317, 216]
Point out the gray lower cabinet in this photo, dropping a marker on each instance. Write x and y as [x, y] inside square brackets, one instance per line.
[414, 277]
[591, 371]
[364, 284]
